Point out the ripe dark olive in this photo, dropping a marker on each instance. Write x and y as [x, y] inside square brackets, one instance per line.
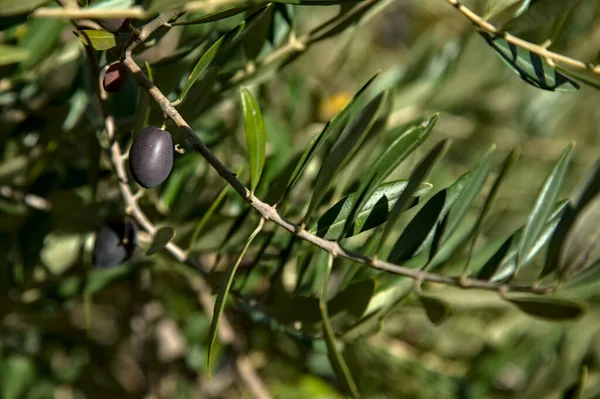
[114, 25]
[151, 157]
[115, 242]
[114, 77]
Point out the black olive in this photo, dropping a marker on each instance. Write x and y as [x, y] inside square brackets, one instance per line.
[115, 242]
[114, 77]
[151, 157]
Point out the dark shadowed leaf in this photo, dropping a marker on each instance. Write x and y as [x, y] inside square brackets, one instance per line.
[437, 310]
[374, 212]
[549, 308]
[397, 152]
[256, 138]
[539, 13]
[544, 205]
[332, 129]
[343, 150]
[491, 266]
[335, 356]
[529, 66]
[161, 239]
[97, 39]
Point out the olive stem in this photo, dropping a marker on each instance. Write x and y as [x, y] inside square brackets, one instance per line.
[268, 212]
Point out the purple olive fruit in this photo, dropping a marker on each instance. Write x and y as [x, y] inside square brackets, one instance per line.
[114, 77]
[115, 242]
[151, 157]
[114, 25]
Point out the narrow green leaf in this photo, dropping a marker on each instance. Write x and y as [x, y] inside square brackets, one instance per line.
[332, 129]
[460, 208]
[588, 190]
[375, 211]
[12, 54]
[549, 308]
[214, 16]
[529, 66]
[209, 213]
[544, 205]
[343, 149]
[12, 7]
[99, 279]
[335, 356]
[97, 39]
[504, 169]
[224, 292]
[337, 25]
[491, 266]
[256, 138]
[218, 48]
[397, 152]
[418, 232]
[437, 310]
[160, 240]
[416, 177]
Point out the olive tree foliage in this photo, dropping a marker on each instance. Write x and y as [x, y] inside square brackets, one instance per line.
[319, 241]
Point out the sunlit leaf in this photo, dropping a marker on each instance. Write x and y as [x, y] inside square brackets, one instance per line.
[18, 373]
[549, 308]
[397, 152]
[529, 66]
[256, 138]
[544, 205]
[375, 211]
[416, 177]
[97, 39]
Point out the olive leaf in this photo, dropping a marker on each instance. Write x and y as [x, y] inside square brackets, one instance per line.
[335, 356]
[436, 309]
[544, 205]
[214, 16]
[256, 138]
[343, 149]
[375, 211]
[223, 294]
[549, 308]
[385, 164]
[97, 39]
[13, 54]
[160, 240]
[529, 66]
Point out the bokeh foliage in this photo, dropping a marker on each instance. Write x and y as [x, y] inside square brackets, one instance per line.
[345, 120]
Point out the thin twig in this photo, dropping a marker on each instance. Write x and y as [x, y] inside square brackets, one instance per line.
[227, 334]
[268, 212]
[534, 48]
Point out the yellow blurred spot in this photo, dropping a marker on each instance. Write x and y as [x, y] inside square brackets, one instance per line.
[333, 104]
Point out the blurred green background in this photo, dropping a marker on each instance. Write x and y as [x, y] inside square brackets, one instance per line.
[70, 331]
